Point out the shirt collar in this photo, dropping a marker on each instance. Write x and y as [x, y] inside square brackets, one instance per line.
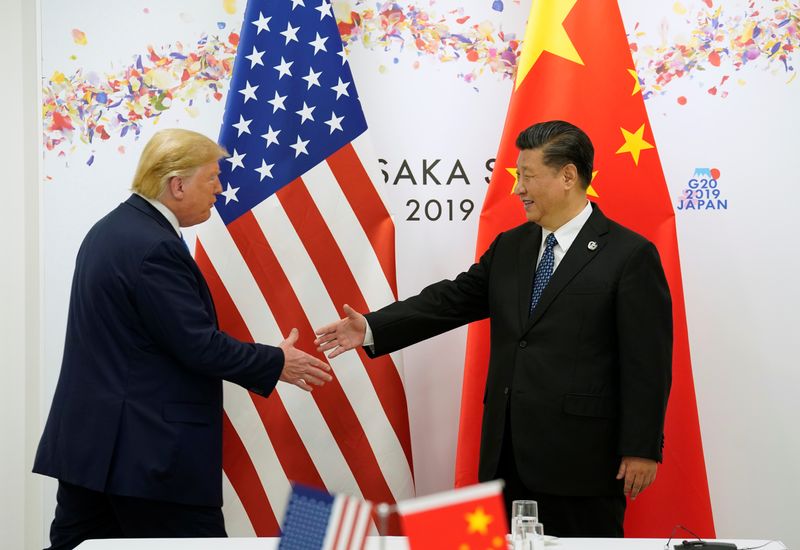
[166, 212]
[567, 233]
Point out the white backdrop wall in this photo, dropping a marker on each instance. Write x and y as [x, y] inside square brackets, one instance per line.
[424, 105]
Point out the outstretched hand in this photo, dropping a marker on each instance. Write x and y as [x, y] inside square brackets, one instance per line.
[343, 335]
[301, 369]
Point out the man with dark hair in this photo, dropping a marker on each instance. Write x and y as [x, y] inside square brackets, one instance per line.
[581, 343]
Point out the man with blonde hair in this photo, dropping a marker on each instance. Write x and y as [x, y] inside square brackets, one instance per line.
[134, 434]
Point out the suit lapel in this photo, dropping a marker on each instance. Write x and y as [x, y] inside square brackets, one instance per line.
[579, 254]
[528, 254]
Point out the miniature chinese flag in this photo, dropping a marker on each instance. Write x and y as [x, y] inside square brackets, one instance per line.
[471, 518]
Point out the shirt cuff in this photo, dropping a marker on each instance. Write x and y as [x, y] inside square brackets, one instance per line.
[369, 340]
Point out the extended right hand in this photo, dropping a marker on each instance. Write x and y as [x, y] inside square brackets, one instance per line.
[343, 335]
[301, 369]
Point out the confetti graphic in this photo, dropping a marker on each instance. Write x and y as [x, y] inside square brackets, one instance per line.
[722, 41]
[84, 105]
[447, 37]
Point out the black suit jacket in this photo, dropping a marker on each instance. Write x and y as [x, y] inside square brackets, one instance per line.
[586, 379]
[138, 406]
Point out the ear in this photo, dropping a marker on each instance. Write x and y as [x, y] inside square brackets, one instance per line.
[175, 187]
[570, 174]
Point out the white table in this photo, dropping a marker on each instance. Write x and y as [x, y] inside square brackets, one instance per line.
[391, 543]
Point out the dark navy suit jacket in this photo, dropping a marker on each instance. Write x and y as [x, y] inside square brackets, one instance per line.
[138, 406]
[585, 379]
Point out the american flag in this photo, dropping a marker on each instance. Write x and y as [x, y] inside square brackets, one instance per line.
[317, 520]
[299, 230]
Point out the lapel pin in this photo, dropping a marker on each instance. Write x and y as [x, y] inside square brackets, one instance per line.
[592, 245]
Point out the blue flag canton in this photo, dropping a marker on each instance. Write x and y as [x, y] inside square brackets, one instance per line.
[291, 104]
[306, 520]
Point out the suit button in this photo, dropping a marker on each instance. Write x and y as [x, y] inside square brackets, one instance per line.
[505, 390]
[523, 344]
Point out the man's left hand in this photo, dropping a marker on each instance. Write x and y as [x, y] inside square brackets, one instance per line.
[638, 472]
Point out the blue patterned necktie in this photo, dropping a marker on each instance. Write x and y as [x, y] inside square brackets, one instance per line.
[543, 272]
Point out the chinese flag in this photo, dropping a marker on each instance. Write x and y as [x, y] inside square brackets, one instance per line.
[471, 518]
[576, 66]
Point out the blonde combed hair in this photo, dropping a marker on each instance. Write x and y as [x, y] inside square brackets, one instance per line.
[169, 153]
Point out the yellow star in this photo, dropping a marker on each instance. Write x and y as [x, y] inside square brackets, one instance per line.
[478, 521]
[513, 172]
[590, 190]
[634, 143]
[636, 86]
[545, 33]
[499, 542]
[463, 547]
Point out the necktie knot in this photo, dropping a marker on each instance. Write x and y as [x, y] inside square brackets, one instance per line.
[551, 241]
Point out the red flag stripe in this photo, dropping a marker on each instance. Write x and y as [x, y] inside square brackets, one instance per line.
[327, 258]
[338, 414]
[368, 207]
[242, 475]
[289, 448]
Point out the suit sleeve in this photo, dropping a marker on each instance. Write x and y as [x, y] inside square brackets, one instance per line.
[436, 309]
[644, 328]
[169, 300]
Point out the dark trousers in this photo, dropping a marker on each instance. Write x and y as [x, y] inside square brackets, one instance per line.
[83, 514]
[562, 516]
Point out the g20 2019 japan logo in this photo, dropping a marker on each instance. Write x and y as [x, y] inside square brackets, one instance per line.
[703, 192]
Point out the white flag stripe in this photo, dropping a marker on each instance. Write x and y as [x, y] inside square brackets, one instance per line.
[350, 372]
[365, 150]
[456, 496]
[362, 525]
[245, 420]
[349, 235]
[237, 523]
[346, 523]
[333, 523]
[300, 406]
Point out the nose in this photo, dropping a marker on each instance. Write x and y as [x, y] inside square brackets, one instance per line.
[217, 187]
[518, 188]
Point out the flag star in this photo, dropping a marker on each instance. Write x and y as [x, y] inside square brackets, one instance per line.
[236, 160]
[255, 58]
[296, 3]
[305, 113]
[300, 147]
[283, 68]
[319, 44]
[547, 34]
[478, 521]
[335, 122]
[262, 23]
[277, 102]
[290, 33]
[634, 143]
[243, 126]
[324, 9]
[341, 89]
[312, 78]
[636, 84]
[230, 194]
[249, 92]
[341, 53]
[271, 136]
[265, 170]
